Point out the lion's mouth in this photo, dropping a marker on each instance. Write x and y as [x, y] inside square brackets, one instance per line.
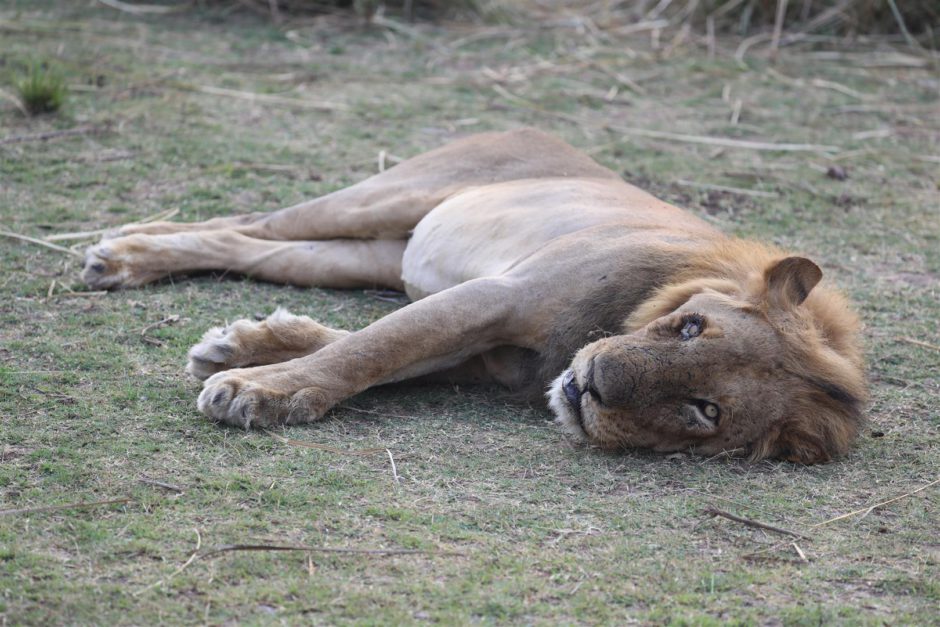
[573, 395]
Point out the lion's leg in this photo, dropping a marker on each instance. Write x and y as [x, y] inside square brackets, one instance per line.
[281, 336]
[433, 334]
[164, 228]
[390, 204]
[382, 207]
[385, 206]
[137, 259]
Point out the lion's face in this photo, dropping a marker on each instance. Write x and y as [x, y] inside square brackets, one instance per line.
[706, 376]
[712, 375]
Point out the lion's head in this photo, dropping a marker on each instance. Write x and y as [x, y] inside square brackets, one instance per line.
[764, 365]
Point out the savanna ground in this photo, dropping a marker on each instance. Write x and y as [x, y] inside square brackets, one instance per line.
[515, 524]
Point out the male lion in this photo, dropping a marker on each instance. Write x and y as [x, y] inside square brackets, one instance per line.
[529, 265]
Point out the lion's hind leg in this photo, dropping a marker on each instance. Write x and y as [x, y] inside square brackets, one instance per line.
[166, 228]
[280, 337]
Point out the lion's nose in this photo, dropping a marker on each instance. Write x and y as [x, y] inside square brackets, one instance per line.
[572, 392]
[614, 376]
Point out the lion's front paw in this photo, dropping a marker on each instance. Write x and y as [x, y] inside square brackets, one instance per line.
[280, 337]
[235, 399]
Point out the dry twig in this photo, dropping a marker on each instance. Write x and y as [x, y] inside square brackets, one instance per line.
[71, 294]
[55, 508]
[156, 325]
[320, 105]
[323, 447]
[724, 141]
[778, 27]
[161, 484]
[229, 548]
[394, 469]
[192, 558]
[88, 129]
[33, 240]
[163, 215]
[730, 190]
[142, 9]
[375, 413]
[15, 101]
[867, 510]
[911, 340]
[712, 511]
[901, 25]
[528, 104]
[864, 512]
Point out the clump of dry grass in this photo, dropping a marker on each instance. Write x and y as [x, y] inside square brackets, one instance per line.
[834, 17]
[915, 20]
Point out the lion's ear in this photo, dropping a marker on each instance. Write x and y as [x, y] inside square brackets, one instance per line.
[790, 280]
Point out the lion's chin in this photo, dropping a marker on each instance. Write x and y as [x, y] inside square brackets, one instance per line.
[565, 415]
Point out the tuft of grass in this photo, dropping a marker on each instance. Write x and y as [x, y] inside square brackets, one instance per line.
[42, 90]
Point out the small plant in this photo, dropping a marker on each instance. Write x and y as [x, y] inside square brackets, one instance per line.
[43, 90]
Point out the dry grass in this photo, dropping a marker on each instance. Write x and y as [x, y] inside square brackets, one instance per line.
[914, 20]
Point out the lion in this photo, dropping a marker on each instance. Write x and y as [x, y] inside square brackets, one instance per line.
[528, 265]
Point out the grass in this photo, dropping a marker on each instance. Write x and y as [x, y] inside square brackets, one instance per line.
[548, 533]
[42, 90]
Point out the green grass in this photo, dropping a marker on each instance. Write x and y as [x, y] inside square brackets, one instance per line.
[547, 533]
[41, 90]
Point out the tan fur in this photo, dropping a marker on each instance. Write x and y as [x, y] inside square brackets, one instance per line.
[530, 265]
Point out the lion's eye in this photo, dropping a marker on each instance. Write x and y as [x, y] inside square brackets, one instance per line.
[691, 326]
[709, 411]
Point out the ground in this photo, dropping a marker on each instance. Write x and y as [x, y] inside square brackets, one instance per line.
[514, 523]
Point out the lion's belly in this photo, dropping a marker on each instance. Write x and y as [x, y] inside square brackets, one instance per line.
[485, 231]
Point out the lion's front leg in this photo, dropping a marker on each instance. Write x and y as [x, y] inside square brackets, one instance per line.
[430, 335]
[281, 336]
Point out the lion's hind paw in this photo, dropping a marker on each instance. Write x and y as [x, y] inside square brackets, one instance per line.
[122, 262]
